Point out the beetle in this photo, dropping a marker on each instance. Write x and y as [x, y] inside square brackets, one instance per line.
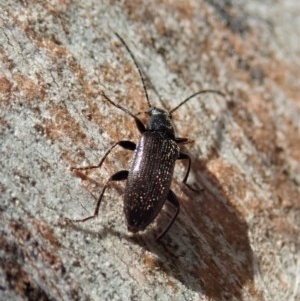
[150, 174]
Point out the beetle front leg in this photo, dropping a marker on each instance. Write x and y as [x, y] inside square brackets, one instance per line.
[123, 143]
[118, 176]
[172, 198]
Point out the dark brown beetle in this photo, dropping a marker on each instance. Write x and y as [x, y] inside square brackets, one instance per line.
[151, 171]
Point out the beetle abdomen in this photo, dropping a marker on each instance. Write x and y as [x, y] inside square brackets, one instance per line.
[149, 179]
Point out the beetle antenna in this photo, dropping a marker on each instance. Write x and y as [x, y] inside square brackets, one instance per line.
[137, 66]
[193, 95]
[119, 107]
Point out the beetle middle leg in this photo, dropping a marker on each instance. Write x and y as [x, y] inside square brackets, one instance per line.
[172, 198]
[183, 156]
[180, 140]
[118, 176]
[129, 145]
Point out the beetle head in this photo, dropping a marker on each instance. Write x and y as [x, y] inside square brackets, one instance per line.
[160, 121]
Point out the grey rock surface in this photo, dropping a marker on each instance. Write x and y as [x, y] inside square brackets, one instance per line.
[238, 238]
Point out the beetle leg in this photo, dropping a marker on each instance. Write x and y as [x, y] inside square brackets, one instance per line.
[118, 176]
[183, 156]
[124, 143]
[140, 125]
[181, 140]
[172, 198]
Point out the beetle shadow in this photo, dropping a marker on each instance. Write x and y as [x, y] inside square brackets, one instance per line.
[208, 248]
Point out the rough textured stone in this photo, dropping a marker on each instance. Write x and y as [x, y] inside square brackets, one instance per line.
[238, 239]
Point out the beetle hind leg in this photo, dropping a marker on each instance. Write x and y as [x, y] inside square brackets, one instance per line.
[172, 198]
